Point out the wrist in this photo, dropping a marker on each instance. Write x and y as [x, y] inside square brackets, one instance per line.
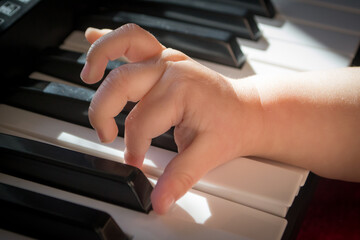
[251, 124]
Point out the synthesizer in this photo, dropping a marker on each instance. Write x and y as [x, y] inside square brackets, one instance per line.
[49, 153]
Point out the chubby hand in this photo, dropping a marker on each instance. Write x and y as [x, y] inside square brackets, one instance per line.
[211, 119]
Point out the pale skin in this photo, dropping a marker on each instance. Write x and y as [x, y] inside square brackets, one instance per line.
[310, 120]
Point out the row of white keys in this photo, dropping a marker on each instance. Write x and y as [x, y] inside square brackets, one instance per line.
[296, 57]
[306, 37]
[342, 5]
[290, 31]
[194, 206]
[322, 16]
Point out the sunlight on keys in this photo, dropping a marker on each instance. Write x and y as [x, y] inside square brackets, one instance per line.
[193, 204]
[196, 206]
[92, 146]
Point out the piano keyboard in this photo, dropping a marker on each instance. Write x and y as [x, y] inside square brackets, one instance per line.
[247, 198]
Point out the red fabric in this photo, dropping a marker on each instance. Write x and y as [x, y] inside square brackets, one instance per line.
[333, 213]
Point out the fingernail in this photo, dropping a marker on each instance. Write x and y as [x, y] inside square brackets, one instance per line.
[85, 72]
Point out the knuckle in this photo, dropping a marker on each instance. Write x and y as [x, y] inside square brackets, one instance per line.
[117, 77]
[130, 124]
[185, 180]
[179, 75]
[172, 55]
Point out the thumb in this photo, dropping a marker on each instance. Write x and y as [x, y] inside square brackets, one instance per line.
[183, 172]
[93, 34]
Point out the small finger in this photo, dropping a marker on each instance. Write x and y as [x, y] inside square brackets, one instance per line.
[93, 34]
[130, 41]
[156, 113]
[129, 82]
[184, 171]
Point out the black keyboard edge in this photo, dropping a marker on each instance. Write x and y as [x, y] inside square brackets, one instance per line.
[43, 217]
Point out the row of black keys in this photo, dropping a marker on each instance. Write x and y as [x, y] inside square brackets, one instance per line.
[205, 29]
[64, 102]
[42, 217]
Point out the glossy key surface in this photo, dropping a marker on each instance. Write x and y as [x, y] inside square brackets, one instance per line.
[194, 40]
[84, 174]
[42, 217]
[68, 65]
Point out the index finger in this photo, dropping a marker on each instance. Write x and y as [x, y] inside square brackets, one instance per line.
[129, 40]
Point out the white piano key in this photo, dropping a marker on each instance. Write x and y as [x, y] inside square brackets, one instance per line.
[302, 34]
[76, 41]
[303, 172]
[137, 225]
[260, 185]
[45, 77]
[296, 57]
[340, 5]
[228, 216]
[319, 16]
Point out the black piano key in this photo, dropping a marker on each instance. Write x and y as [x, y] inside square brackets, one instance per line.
[67, 103]
[43, 217]
[258, 7]
[356, 60]
[194, 40]
[240, 22]
[67, 65]
[83, 174]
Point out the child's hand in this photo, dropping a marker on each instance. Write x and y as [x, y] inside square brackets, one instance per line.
[210, 117]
